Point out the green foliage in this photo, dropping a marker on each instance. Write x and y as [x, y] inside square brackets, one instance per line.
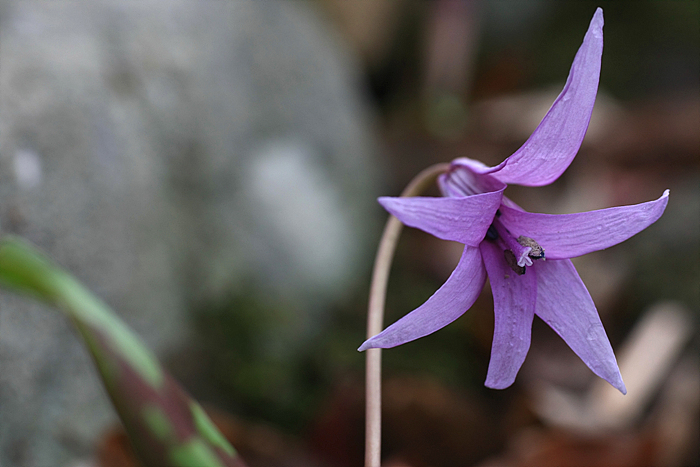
[164, 424]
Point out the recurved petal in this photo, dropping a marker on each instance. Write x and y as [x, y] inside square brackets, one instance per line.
[468, 177]
[463, 220]
[563, 302]
[553, 145]
[450, 302]
[570, 235]
[514, 298]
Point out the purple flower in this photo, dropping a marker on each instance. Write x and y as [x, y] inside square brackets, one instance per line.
[510, 245]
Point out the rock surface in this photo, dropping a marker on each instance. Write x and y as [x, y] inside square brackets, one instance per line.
[165, 153]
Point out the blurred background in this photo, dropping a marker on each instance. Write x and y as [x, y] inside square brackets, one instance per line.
[210, 169]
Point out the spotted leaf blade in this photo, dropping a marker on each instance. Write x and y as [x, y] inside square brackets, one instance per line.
[165, 425]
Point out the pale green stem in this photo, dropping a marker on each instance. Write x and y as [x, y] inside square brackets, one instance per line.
[375, 316]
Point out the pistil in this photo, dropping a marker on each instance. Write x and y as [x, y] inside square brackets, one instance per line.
[518, 253]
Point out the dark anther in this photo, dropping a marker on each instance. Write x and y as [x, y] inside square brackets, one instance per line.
[513, 262]
[498, 213]
[491, 233]
[536, 251]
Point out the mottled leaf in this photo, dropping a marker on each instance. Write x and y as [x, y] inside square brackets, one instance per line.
[165, 425]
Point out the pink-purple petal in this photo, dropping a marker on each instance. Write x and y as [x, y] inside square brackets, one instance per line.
[514, 298]
[468, 177]
[553, 145]
[450, 302]
[570, 235]
[563, 302]
[463, 220]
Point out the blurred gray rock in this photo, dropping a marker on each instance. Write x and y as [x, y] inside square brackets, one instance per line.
[165, 152]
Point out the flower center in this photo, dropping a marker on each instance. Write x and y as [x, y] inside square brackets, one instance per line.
[518, 252]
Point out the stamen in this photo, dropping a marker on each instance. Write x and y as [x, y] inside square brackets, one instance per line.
[492, 233]
[536, 250]
[508, 242]
[519, 253]
[513, 263]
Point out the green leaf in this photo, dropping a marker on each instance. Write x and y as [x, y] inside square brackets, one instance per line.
[164, 424]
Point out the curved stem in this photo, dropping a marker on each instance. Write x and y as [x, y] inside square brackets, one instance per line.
[375, 316]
